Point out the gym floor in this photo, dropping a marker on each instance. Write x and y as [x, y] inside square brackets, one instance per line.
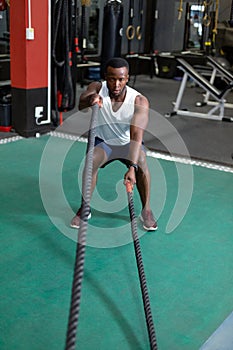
[188, 261]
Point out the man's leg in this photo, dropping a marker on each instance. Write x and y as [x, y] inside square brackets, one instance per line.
[99, 158]
[143, 186]
[143, 181]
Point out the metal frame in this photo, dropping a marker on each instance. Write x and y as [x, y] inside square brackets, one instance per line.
[222, 73]
[219, 103]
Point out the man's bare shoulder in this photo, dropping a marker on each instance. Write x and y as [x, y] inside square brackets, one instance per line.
[94, 86]
[142, 100]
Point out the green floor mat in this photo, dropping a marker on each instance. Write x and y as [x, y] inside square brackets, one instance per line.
[188, 269]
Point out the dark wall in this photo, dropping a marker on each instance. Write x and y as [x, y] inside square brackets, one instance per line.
[224, 10]
[168, 31]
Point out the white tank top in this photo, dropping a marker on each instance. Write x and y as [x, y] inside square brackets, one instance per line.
[114, 127]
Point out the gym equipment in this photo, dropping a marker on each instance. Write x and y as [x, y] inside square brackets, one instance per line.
[81, 243]
[154, 16]
[64, 57]
[112, 32]
[5, 114]
[139, 27]
[208, 25]
[215, 28]
[130, 30]
[141, 273]
[218, 95]
[231, 16]
[220, 68]
[3, 5]
[180, 10]
[84, 4]
[133, 30]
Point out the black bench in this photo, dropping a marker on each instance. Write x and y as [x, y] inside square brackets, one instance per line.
[218, 95]
[202, 81]
[223, 71]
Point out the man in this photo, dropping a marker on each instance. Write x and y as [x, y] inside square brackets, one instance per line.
[122, 118]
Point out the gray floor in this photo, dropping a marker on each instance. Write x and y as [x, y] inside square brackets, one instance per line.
[207, 140]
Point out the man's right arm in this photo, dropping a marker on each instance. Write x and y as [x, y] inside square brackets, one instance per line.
[91, 96]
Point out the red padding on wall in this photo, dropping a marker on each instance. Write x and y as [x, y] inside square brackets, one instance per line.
[29, 58]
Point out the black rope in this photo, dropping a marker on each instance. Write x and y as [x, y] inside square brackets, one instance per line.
[81, 244]
[142, 277]
[57, 11]
[63, 57]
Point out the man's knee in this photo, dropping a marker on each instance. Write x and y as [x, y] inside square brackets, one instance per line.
[142, 162]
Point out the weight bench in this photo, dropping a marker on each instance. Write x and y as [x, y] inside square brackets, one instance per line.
[218, 70]
[217, 95]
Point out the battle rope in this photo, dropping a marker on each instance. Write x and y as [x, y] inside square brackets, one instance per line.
[81, 244]
[142, 277]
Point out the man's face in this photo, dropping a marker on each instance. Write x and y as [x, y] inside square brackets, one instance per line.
[116, 79]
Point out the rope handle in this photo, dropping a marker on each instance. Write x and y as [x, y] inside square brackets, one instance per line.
[95, 108]
[129, 187]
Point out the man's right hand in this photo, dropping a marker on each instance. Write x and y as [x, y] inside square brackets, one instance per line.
[96, 98]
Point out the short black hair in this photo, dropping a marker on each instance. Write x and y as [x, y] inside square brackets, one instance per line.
[116, 62]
